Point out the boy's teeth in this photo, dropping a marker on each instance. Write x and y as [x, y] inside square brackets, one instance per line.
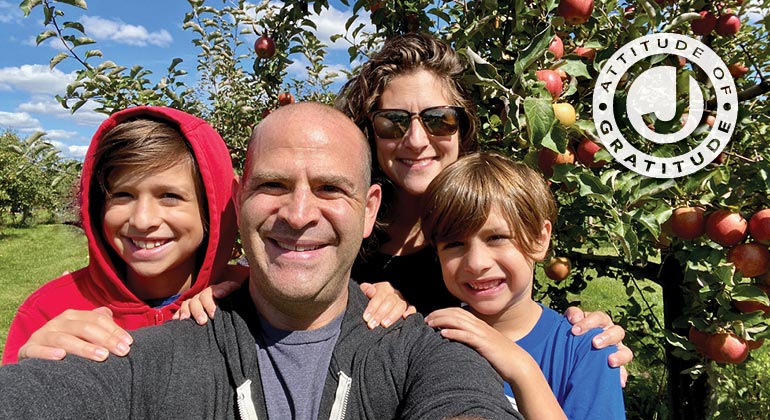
[484, 285]
[147, 244]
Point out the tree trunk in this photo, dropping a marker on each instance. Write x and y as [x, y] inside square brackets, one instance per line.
[688, 398]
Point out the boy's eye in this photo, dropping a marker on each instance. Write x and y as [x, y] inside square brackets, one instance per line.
[171, 197]
[119, 196]
[450, 245]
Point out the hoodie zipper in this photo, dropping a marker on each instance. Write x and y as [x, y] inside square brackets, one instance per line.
[341, 397]
[246, 408]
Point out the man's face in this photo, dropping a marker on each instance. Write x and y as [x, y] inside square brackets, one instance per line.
[305, 207]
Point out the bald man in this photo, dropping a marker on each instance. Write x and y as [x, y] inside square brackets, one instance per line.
[290, 343]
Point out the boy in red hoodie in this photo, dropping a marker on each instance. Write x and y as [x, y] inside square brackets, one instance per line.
[158, 214]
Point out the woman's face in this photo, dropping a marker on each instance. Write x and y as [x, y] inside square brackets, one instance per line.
[411, 162]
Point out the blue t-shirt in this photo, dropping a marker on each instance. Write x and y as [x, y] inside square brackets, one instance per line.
[580, 377]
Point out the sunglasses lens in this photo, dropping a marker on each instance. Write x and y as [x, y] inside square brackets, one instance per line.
[391, 124]
[441, 121]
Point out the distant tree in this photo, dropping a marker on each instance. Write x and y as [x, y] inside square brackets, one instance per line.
[33, 176]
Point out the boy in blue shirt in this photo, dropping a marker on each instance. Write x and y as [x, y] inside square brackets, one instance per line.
[490, 219]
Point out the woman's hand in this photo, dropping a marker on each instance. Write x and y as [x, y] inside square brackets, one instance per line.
[385, 305]
[88, 334]
[612, 335]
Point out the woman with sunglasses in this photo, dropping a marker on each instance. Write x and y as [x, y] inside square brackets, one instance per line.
[410, 101]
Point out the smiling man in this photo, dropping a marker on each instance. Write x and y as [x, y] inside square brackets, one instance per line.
[290, 344]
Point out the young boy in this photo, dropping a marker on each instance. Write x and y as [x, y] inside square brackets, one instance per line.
[158, 214]
[490, 219]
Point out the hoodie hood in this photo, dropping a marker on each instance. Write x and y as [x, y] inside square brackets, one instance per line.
[218, 178]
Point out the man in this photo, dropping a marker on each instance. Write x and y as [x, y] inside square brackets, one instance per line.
[291, 343]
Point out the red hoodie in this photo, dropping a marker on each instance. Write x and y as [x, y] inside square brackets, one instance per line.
[100, 284]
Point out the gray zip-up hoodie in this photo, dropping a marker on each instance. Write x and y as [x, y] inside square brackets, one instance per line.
[182, 370]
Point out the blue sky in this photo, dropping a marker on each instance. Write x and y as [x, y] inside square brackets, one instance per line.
[143, 32]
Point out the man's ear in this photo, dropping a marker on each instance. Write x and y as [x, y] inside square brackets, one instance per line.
[543, 242]
[373, 200]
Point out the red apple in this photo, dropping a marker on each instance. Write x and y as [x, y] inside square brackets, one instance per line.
[285, 98]
[737, 70]
[375, 6]
[759, 226]
[726, 228]
[575, 12]
[747, 306]
[556, 47]
[552, 81]
[727, 348]
[755, 344]
[587, 53]
[547, 159]
[688, 222]
[586, 151]
[728, 24]
[558, 268]
[705, 24]
[751, 259]
[698, 338]
[264, 46]
[629, 12]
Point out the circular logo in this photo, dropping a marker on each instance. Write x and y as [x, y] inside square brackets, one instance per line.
[653, 93]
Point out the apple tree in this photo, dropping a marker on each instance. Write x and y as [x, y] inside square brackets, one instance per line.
[532, 69]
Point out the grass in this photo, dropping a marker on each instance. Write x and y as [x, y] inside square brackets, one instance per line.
[32, 256]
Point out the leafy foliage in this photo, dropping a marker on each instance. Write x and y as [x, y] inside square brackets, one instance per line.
[33, 176]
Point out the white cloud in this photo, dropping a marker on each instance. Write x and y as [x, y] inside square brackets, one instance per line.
[9, 12]
[54, 135]
[53, 43]
[84, 116]
[77, 152]
[21, 121]
[35, 78]
[123, 33]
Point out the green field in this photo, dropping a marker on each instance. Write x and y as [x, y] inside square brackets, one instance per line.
[31, 256]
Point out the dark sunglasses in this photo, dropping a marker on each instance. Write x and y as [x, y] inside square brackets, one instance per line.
[438, 121]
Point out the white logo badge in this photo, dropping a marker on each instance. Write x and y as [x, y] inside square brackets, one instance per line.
[654, 91]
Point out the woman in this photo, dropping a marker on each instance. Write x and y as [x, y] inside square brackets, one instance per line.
[410, 101]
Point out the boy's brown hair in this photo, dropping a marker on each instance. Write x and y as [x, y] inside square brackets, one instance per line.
[142, 146]
[460, 199]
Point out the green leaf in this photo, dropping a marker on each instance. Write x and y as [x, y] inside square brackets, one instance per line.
[77, 3]
[481, 68]
[93, 53]
[83, 40]
[534, 51]
[27, 5]
[57, 59]
[43, 36]
[75, 25]
[748, 292]
[575, 68]
[540, 119]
